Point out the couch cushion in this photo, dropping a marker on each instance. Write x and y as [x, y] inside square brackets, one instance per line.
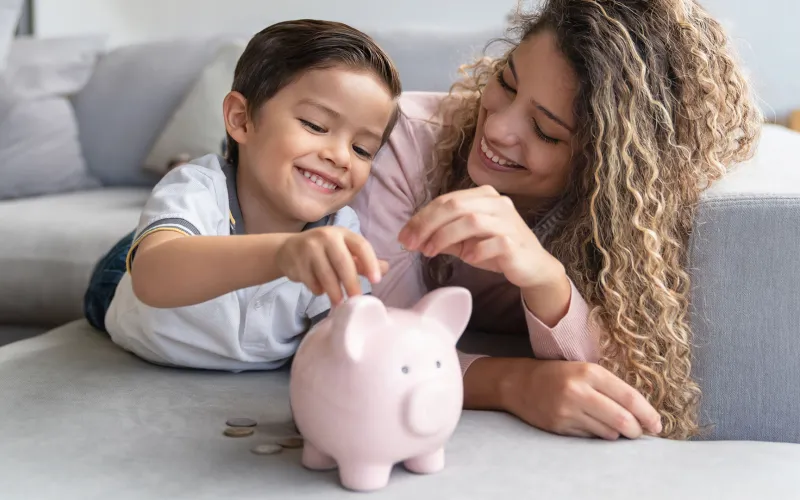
[83, 419]
[132, 94]
[745, 265]
[50, 245]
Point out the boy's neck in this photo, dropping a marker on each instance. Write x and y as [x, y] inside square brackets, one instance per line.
[260, 216]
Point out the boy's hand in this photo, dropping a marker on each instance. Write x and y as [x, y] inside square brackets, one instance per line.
[327, 258]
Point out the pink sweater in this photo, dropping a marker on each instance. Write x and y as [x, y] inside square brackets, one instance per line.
[388, 200]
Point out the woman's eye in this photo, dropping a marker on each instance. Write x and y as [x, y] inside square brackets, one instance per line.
[542, 136]
[312, 126]
[505, 84]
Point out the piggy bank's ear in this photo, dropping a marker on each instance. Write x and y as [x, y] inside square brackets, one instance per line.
[451, 306]
[355, 321]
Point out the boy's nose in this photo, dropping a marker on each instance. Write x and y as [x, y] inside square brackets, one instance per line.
[338, 154]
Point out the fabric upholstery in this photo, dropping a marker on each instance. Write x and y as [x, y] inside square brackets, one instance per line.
[129, 99]
[83, 419]
[746, 294]
[49, 246]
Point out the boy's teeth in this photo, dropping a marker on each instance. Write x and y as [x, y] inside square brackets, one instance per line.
[319, 181]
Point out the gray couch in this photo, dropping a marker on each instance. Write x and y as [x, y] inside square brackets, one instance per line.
[82, 419]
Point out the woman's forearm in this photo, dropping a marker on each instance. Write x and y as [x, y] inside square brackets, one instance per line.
[549, 300]
[487, 382]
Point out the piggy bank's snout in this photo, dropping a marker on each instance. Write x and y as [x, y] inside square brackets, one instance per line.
[430, 407]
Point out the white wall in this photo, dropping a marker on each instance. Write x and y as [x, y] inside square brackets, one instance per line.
[765, 30]
[128, 21]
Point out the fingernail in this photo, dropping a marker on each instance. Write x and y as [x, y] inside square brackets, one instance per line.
[376, 277]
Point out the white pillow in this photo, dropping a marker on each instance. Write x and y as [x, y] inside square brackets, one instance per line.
[53, 66]
[197, 127]
[10, 11]
[40, 152]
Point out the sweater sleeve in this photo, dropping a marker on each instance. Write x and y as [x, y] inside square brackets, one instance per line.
[395, 188]
[574, 338]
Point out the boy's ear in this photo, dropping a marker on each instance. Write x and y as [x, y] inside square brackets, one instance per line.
[234, 111]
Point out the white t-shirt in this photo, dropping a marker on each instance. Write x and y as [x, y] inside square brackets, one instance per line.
[255, 328]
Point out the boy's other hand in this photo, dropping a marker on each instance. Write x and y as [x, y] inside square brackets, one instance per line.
[325, 259]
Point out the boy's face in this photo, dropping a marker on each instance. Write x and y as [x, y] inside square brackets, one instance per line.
[309, 149]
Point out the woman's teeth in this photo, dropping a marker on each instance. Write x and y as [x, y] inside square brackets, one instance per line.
[489, 154]
[319, 181]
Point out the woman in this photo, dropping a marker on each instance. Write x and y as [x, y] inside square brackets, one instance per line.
[558, 184]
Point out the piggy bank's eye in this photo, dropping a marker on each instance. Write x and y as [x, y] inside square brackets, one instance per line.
[405, 369]
[438, 364]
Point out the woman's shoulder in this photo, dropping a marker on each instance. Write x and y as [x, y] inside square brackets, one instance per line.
[420, 106]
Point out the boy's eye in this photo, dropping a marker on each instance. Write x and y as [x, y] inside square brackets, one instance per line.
[313, 126]
[362, 152]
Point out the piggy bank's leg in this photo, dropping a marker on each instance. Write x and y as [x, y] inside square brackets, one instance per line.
[315, 459]
[426, 464]
[361, 477]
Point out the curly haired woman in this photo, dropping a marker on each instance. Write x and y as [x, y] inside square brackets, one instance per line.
[558, 183]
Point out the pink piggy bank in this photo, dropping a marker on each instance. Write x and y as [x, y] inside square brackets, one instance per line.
[372, 386]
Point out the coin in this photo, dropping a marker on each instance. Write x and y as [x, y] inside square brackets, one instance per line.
[291, 442]
[266, 449]
[239, 431]
[241, 422]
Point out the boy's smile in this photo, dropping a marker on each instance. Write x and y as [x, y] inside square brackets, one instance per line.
[308, 150]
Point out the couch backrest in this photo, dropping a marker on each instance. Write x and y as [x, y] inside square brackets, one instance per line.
[134, 91]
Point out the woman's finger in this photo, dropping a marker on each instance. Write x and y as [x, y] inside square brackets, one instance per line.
[467, 226]
[596, 428]
[629, 399]
[604, 409]
[441, 211]
[344, 267]
[487, 249]
[325, 275]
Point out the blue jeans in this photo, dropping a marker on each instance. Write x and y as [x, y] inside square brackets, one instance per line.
[103, 284]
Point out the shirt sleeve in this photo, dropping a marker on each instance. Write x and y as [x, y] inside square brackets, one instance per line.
[185, 201]
[575, 338]
[388, 200]
[320, 305]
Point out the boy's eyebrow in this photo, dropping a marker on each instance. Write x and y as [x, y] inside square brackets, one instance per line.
[335, 114]
[317, 104]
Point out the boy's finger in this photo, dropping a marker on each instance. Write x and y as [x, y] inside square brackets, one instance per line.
[365, 254]
[344, 267]
[324, 274]
[382, 264]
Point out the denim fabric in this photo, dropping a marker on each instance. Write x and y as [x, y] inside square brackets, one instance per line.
[105, 277]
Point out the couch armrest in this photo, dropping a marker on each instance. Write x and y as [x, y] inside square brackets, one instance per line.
[745, 268]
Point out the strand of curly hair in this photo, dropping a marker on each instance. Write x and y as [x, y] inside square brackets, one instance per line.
[664, 110]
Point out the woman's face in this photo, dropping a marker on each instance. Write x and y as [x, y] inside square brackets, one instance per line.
[524, 137]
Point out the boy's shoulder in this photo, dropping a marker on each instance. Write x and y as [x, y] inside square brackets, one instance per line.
[209, 168]
[345, 217]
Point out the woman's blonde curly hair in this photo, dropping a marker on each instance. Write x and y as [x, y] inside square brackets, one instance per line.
[663, 109]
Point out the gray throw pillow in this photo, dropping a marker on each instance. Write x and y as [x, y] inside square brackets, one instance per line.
[40, 152]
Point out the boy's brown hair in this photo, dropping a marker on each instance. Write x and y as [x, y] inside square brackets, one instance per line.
[282, 52]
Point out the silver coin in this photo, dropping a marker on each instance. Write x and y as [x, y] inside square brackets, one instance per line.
[267, 449]
[241, 422]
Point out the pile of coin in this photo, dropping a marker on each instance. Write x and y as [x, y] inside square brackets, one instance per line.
[243, 427]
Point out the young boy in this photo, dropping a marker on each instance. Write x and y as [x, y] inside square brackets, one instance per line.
[233, 259]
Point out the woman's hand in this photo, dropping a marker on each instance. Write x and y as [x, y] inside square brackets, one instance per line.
[484, 229]
[328, 258]
[571, 398]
